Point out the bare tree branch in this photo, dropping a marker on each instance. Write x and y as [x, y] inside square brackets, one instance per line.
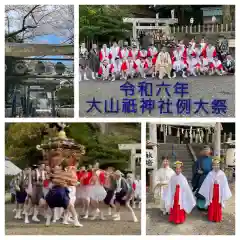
[24, 28]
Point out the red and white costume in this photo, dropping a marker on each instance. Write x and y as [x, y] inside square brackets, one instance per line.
[203, 49]
[193, 65]
[193, 62]
[178, 60]
[142, 53]
[145, 67]
[124, 53]
[105, 69]
[193, 44]
[114, 52]
[137, 190]
[133, 53]
[129, 67]
[211, 53]
[152, 52]
[104, 54]
[98, 192]
[204, 65]
[216, 192]
[216, 65]
[150, 62]
[178, 199]
[85, 188]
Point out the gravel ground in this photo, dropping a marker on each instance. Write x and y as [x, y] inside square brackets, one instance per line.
[196, 223]
[97, 227]
[205, 87]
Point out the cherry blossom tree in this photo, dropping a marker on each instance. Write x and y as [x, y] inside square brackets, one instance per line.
[24, 23]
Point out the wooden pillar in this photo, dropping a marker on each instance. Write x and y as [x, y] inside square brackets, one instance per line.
[134, 33]
[153, 139]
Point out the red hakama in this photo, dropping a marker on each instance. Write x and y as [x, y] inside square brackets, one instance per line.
[177, 215]
[215, 208]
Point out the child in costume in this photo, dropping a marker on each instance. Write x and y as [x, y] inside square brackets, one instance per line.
[178, 197]
[216, 191]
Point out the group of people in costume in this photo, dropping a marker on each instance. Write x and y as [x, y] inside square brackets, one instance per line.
[126, 62]
[209, 189]
[55, 191]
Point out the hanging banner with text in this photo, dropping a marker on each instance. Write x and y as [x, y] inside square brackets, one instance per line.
[150, 159]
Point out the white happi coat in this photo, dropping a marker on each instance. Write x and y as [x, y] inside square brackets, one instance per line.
[210, 53]
[191, 52]
[203, 46]
[104, 54]
[142, 53]
[137, 192]
[152, 51]
[206, 189]
[162, 177]
[178, 63]
[186, 197]
[124, 53]
[114, 52]
[193, 44]
[134, 53]
[106, 70]
[198, 53]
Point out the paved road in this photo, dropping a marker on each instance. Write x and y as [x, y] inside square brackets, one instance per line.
[196, 223]
[205, 87]
[97, 227]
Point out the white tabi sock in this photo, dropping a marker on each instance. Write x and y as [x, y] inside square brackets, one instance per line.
[109, 211]
[102, 216]
[76, 222]
[26, 220]
[35, 215]
[85, 76]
